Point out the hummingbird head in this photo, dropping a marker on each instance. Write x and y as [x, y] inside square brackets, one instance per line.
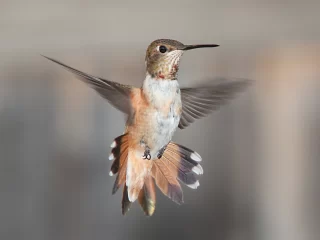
[163, 56]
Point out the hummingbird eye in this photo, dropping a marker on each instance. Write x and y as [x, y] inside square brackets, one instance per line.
[162, 49]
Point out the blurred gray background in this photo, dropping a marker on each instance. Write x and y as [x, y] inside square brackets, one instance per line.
[260, 152]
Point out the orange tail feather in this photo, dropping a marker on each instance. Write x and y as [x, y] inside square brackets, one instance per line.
[177, 163]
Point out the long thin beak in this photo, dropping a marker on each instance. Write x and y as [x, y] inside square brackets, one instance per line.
[189, 47]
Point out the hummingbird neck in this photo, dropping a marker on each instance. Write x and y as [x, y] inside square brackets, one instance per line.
[164, 74]
[157, 92]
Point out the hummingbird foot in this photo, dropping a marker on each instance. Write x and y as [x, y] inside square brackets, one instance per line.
[146, 154]
[161, 151]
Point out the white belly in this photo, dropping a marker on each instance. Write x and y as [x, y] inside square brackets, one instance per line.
[163, 94]
[164, 130]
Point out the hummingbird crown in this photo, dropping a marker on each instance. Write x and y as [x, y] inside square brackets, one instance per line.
[163, 56]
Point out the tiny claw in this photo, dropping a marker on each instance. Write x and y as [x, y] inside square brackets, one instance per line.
[146, 154]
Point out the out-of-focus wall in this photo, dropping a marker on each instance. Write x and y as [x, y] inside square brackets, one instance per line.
[260, 152]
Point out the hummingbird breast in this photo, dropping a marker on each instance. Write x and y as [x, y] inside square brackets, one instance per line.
[157, 114]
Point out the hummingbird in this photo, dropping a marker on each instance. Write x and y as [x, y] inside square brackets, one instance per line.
[144, 155]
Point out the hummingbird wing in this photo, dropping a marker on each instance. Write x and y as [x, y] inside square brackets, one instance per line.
[200, 102]
[118, 95]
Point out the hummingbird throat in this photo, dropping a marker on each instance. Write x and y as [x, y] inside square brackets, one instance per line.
[166, 67]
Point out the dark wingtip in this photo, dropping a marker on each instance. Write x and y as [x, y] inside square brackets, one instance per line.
[56, 61]
[244, 83]
[46, 57]
[51, 59]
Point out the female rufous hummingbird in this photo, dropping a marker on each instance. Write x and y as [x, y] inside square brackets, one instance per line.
[145, 154]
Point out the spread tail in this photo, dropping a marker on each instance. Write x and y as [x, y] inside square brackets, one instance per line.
[177, 163]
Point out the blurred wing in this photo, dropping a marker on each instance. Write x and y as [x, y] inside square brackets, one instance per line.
[200, 102]
[118, 95]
